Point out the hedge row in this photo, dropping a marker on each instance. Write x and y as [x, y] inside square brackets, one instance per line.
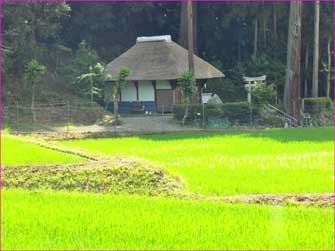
[131, 179]
[235, 112]
[318, 105]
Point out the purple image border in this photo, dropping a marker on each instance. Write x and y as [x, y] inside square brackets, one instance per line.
[139, 1]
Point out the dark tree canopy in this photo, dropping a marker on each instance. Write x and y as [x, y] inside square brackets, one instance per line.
[65, 36]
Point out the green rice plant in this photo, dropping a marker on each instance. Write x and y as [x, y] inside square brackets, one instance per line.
[273, 161]
[17, 152]
[59, 220]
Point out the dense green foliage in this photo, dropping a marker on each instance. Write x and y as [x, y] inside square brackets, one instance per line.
[263, 94]
[187, 85]
[237, 112]
[69, 37]
[318, 105]
[274, 161]
[34, 71]
[123, 74]
[130, 177]
[188, 90]
[17, 152]
[92, 82]
[44, 220]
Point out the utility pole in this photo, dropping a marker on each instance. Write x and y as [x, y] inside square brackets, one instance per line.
[190, 36]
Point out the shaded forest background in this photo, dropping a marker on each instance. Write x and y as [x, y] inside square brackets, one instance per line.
[238, 38]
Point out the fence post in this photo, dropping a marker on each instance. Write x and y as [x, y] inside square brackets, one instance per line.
[17, 116]
[203, 114]
[68, 118]
[250, 111]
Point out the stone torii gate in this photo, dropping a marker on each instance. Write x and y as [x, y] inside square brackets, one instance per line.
[251, 82]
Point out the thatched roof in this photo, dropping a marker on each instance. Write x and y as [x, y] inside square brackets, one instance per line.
[151, 59]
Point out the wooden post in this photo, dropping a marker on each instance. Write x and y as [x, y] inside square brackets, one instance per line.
[68, 118]
[17, 116]
[203, 114]
[190, 36]
[136, 86]
[91, 83]
[250, 113]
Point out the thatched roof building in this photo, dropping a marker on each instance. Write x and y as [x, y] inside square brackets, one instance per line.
[160, 59]
[156, 64]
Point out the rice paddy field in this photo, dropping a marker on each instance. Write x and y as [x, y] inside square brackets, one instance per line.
[58, 220]
[18, 152]
[277, 161]
[274, 161]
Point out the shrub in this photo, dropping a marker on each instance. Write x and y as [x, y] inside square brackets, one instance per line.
[271, 121]
[179, 111]
[195, 111]
[237, 112]
[262, 93]
[317, 105]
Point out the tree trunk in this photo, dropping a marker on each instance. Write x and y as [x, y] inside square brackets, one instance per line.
[264, 32]
[255, 39]
[274, 22]
[195, 27]
[186, 114]
[329, 67]
[183, 41]
[306, 73]
[263, 25]
[315, 83]
[239, 44]
[33, 101]
[116, 108]
[292, 84]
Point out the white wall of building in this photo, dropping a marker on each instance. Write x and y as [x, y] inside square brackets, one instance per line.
[128, 92]
[163, 85]
[146, 91]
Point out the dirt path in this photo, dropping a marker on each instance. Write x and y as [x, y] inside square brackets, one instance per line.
[323, 199]
[139, 123]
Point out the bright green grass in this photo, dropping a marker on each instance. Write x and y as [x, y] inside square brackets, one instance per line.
[17, 152]
[59, 220]
[274, 161]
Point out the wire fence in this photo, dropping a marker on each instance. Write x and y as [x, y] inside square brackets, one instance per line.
[21, 117]
[249, 115]
[73, 117]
